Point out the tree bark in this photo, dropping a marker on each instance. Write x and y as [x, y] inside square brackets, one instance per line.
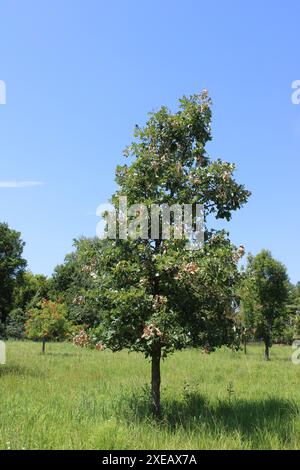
[267, 350]
[43, 345]
[245, 346]
[155, 382]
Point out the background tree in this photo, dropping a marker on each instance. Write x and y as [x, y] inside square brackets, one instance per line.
[48, 322]
[296, 326]
[154, 295]
[245, 316]
[245, 328]
[15, 324]
[294, 298]
[292, 322]
[11, 267]
[29, 292]
[72, 282]
[264, 296]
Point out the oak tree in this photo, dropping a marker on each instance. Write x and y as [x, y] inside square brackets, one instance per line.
[154, 295]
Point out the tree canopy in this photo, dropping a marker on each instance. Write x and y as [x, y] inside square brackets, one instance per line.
[48, 322]
[12, 265]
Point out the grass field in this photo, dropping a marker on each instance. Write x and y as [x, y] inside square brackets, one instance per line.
[81, 399]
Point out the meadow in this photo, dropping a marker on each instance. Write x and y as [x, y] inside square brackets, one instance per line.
[71, 398]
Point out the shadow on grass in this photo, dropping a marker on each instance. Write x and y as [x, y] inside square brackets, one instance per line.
[22, 371]
[58, 354]
[251, 418]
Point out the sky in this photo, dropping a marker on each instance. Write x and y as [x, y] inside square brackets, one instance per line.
[80, 74]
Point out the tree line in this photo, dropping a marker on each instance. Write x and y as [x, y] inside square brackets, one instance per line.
[153, 296]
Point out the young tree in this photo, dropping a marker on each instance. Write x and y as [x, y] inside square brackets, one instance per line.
[11, 267]
[264, 296]
[154, 295]
[48, 322]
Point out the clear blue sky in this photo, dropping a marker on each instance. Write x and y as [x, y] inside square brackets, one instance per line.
[81, 73]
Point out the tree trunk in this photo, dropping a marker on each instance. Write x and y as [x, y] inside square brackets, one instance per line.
[44, 345]
[155, 383]
[245, 347]
[267, 350]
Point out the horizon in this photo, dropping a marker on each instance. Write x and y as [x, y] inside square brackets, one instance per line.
[78, 77]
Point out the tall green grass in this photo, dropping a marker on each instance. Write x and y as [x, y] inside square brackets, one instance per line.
[80, 399]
